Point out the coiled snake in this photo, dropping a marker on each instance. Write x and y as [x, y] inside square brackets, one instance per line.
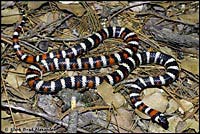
[128, 59]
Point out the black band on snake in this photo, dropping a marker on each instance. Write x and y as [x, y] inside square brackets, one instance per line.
[128, 59]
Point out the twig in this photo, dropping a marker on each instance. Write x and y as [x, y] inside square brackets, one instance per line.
[6, 95]
[177, 101]
[138, 4]
[190, 114]
[191, 75]
[83, 110]
[175, 39]
[165, 18]
[51, 25]
[57, 24]
[4, 38]
[52, 119]
[45, 116]
[62, 39]
[73, 122]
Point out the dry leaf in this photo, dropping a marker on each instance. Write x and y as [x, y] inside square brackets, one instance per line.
[6, 126]
[188, 124]
[68, 2]
[155, 101]
[173, 122]
[186, 105]
[155, 128]
[26, 121]
[4, 96]
[4, 114]
[105, 90]
[173, 106]
[49, 17]
[190, 64]
[165, 4]
[10, 16]
[74, 8]
[193, 124]
[14, 79]
[167, 50]
[190, 18]
[150, 91]
[123, 118]
[142, 115]
[137, 8]
[34, 5]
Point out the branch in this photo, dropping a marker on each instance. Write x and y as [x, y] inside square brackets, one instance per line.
[45, 116]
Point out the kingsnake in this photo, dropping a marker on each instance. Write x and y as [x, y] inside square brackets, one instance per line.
[128, 60]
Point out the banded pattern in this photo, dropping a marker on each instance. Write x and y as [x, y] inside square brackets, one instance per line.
[136, 87]
[128, 59]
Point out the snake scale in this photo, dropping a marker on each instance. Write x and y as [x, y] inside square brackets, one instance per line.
[127, 59]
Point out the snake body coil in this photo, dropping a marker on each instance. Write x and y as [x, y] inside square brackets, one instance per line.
[128, 59]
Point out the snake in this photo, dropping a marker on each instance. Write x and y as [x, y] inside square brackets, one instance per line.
[127, 60]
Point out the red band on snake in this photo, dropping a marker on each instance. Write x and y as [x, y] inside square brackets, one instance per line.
[127, 59]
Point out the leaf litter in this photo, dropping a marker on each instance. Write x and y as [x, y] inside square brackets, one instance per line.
[147, 19]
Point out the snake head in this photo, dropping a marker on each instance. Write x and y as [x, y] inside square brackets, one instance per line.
[162, 121]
